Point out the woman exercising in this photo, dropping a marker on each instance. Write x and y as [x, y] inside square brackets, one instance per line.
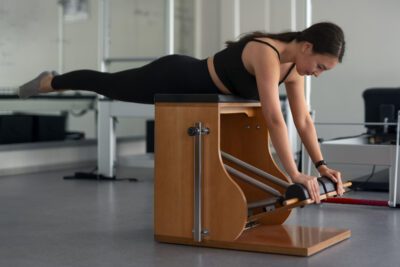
[251, 67]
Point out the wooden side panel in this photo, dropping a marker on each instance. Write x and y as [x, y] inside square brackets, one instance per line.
[173, 186]
[224, 208]
[246, 138]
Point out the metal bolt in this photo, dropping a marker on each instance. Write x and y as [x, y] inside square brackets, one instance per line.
[205, 232]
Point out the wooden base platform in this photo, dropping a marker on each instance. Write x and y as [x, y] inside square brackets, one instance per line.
[278, 239]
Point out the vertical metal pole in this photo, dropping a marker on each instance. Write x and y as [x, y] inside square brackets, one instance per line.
[106, 144]
[197, 131]
[198, 28]
[308, 78]
[236, 18]
[60, 36]
[169, 26]
[393, 201]
[292, 132]
[306, 162]
[197, 184]
[106, 141]
[104, 35]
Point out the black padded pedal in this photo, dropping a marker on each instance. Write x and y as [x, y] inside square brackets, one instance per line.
[297, 191]
[322, 190]
[300, 192]
[329, 185]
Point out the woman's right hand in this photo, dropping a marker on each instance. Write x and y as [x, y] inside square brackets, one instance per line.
[311, 183]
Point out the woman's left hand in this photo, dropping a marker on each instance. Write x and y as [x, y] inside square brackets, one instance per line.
[334, 175]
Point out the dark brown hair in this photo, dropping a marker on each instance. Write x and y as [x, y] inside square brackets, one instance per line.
[326, 38]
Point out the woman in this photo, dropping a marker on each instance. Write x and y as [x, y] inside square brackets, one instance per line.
[252, 67]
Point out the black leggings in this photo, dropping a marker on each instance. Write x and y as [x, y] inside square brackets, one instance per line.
[174, 74]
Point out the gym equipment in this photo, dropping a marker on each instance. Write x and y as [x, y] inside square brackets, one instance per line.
[354, 201]
[380, 146]
[216, 184]
[108, 109]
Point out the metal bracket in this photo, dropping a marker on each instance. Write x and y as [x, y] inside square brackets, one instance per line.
[198, 130]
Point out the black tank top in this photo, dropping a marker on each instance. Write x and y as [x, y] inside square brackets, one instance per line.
[231, 71]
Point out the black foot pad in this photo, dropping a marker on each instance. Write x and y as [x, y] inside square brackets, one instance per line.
[300, 192]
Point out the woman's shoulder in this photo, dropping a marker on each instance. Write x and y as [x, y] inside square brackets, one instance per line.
[262, 47]
[259, 53]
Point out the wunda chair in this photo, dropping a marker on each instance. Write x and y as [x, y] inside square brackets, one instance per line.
[217, 185]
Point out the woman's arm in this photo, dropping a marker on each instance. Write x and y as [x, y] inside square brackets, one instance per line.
[271, 108]
[301, 117]
[266, 67]
[305, 127]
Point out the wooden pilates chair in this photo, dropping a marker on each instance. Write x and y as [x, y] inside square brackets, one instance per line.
[216, 184]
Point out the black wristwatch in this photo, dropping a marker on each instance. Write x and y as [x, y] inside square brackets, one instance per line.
[319, 163]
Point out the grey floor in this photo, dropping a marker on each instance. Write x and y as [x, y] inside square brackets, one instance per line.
[48, 221]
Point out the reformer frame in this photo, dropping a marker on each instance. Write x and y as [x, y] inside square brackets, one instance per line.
[216, 183]
[358, 151]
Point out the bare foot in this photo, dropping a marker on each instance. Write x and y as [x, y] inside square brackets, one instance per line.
[45, 83]
[40, 84]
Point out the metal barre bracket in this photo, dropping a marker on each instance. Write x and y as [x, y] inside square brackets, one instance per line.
[198, 130]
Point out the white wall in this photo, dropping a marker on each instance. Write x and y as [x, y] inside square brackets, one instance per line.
[29, 43]
[27, 39]
[371, 59]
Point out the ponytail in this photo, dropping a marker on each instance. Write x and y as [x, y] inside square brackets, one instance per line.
[326, 37]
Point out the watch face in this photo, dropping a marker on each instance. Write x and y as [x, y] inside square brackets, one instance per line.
[319, 163]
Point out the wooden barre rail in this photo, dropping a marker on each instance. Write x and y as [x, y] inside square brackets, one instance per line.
[288, 202]
[293, 201]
